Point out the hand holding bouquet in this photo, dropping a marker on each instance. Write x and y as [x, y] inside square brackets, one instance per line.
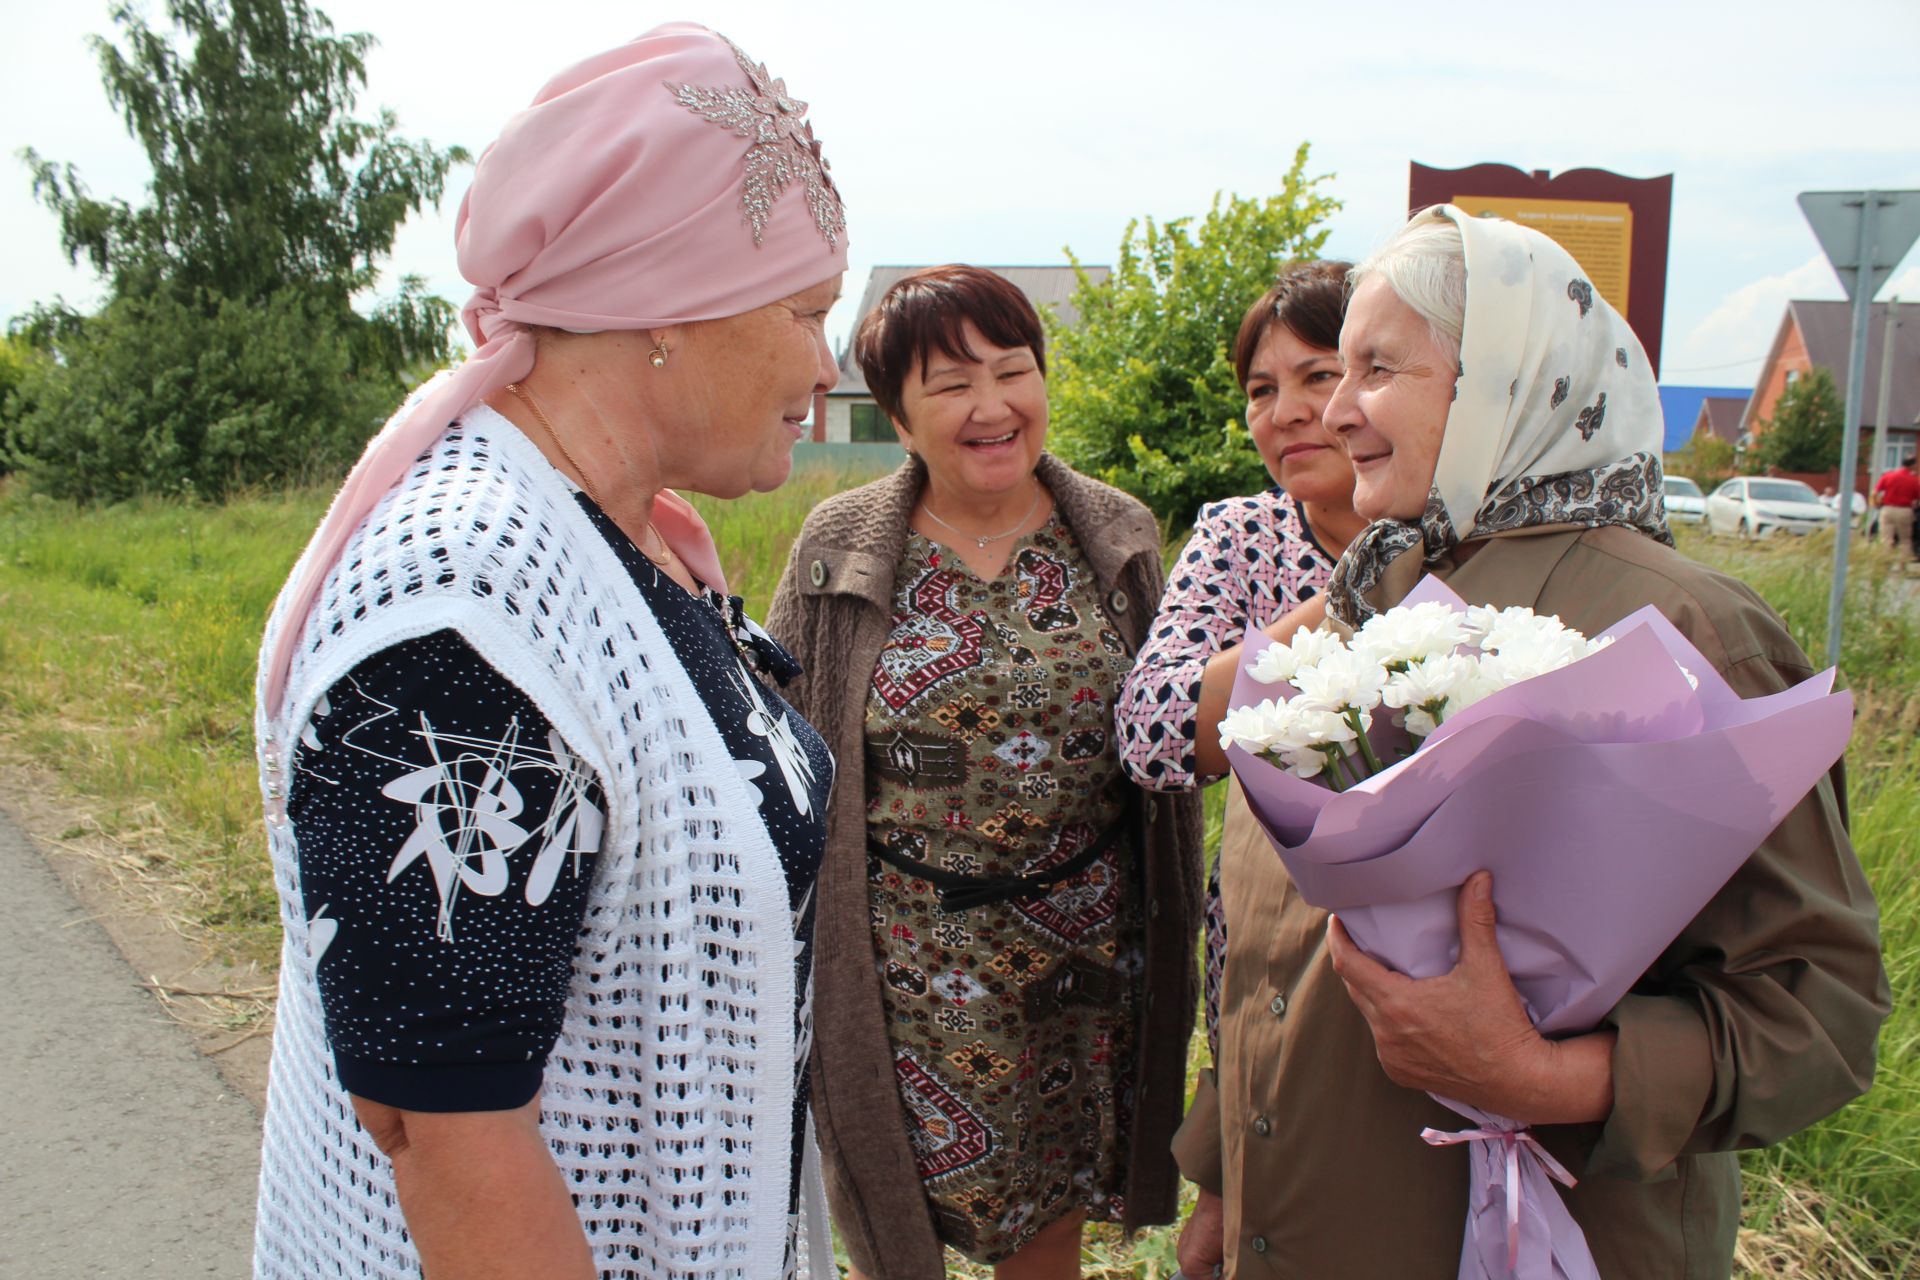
[1611, 786]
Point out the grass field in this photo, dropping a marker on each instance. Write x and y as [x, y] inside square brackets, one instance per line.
[126, 665]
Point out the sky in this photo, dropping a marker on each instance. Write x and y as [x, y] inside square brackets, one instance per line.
[998, 132]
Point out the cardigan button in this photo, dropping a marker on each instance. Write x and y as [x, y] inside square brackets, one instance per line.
[1118, 601]
[1258, 1244]
[1263, 1126]
[817, 574]
[1278, 1006]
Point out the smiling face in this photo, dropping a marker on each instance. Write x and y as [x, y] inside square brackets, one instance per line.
[980, 425]
[1390, 407]
[743, 389]
[1288, 385]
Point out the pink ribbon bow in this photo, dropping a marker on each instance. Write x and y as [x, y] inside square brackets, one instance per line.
[1515, 1143]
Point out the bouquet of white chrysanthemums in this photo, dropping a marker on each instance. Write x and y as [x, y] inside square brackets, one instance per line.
[1423, 662]
[1610, 791]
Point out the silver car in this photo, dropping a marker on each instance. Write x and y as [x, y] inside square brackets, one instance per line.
[1755, 506]
[1685, 503]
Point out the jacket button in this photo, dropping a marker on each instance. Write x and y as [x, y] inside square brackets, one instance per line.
[818, 573]
[1258, 1244]
[1263, 1126]
[1279, 1006]
[1118, 601]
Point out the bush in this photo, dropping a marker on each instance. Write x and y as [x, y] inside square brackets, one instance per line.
[1807, 429]
[152, 395]
[1142, 391]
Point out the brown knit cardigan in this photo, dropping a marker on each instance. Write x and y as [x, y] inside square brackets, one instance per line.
[833, 610]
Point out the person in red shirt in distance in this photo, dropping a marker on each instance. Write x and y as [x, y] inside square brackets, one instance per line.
[1896, 495]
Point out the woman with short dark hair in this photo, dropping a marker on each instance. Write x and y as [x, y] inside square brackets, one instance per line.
[1002, 1020]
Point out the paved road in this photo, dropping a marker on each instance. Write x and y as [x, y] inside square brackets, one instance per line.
[121, 1152]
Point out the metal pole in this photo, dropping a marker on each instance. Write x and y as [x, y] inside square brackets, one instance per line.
[1878, 461]
[1856, 391]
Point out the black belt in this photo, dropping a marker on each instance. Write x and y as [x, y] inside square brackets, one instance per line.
[958, 892]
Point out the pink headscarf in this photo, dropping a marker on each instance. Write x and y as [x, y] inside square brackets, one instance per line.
[648, 186]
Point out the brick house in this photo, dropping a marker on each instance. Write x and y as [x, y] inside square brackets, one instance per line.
[1816, 334]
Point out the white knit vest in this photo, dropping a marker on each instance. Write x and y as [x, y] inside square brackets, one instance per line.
[668, 1098]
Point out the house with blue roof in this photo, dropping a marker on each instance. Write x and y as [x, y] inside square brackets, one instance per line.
[1680, 406]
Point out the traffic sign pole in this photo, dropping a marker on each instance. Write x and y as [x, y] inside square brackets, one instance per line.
[1864, 235]
[1850, 441]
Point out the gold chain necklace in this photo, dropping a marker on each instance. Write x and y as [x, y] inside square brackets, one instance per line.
[525, 397]
[978, 539]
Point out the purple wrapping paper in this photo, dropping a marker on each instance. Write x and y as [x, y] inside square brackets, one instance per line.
[1609, 799]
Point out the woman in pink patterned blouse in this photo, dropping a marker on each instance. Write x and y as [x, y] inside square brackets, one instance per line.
[1254, 559]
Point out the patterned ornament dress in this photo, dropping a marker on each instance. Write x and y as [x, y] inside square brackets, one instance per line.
[990, 753]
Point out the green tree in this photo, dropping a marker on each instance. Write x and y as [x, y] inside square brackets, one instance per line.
[230, 345]
[1707, 460]
[18, 360]
[1143, 391]
[1806, 430]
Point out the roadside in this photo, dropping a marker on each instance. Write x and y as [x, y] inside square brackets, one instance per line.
[123, 1151]
[225, 1010]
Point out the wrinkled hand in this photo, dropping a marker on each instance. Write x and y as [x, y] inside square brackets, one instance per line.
[1464, 1035]
[1203, 1242]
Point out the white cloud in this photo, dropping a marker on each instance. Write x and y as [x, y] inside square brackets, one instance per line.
[1729, 346]
[1001, 137]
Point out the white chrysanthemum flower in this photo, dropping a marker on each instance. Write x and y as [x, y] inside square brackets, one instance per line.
[1341, 680]
[1427, 681]
[1480, 682]
[1524, 656]
[1255, 728]
[1499, 629]
[1408, 633]
[1319, 727]
[1278, 663]
[1419, 722]
[1305, 763]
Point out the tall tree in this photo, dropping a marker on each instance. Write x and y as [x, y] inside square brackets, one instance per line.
[1143, 391]
[1807, 428]
[269, 211]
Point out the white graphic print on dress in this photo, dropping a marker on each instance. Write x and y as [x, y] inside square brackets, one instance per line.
[320, 932]
[787, 751]
[465, 804]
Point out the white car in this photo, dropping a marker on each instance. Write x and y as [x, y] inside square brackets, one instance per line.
[1685, 503]
[1754, 506]
[1831, 501]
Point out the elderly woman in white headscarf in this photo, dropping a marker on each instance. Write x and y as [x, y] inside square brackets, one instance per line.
[1503, 427]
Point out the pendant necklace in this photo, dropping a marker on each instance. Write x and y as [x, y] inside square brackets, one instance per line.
[979, 540]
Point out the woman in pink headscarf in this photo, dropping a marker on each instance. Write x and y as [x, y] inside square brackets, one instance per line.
[544, 829]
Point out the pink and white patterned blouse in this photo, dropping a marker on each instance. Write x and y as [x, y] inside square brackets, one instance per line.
[1250, 560]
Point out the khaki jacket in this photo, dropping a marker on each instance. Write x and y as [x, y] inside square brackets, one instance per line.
[1758, 1020]
[833, 609]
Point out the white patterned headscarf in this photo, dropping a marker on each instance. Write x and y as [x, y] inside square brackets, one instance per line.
[1555, 418]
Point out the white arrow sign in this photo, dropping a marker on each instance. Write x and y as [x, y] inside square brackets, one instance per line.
[1836, 221]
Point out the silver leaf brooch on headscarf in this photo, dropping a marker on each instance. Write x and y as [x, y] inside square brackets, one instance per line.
[784, 148]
